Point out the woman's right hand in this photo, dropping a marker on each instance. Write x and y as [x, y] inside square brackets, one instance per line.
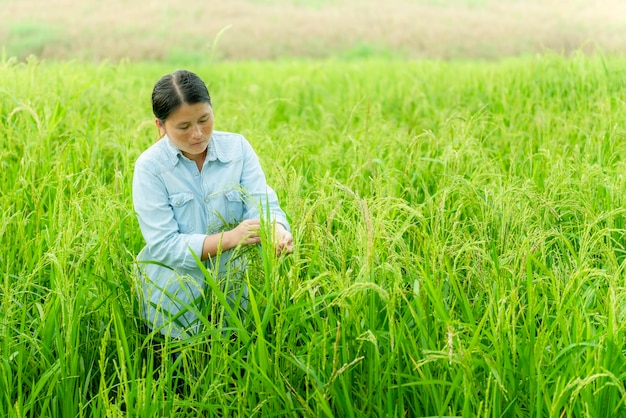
[246, 233]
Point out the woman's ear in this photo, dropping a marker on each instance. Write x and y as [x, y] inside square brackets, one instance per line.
[160, 125]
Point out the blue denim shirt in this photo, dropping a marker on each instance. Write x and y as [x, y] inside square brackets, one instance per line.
[177, 206]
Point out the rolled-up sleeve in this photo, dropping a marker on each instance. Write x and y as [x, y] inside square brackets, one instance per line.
[261, 199]
[165, 242]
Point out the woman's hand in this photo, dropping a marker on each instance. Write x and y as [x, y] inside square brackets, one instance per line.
[246, 233]
[283, 240]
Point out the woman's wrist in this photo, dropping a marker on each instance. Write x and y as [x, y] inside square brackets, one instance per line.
[227, 240]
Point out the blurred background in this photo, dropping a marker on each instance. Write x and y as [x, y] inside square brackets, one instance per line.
[196, 30]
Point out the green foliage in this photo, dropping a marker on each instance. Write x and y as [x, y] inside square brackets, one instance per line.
[459, 233]
[31, 38]
[362, 51]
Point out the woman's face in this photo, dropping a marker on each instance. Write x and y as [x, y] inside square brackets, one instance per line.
[189, 128]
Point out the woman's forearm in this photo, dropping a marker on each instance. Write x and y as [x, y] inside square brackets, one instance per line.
[216, 243]
[246, 233]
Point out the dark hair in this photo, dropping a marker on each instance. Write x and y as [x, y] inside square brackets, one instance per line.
[172, 90]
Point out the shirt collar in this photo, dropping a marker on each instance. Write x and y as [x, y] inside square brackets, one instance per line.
[218, 149]
[171, 151]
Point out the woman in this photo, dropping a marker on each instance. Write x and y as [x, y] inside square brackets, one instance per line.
[196, 192]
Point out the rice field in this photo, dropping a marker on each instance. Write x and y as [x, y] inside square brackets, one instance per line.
[459, 242]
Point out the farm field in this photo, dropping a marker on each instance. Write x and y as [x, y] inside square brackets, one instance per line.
[459, 231]
[271, 29]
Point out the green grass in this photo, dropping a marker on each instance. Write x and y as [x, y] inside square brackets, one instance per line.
[459, 234]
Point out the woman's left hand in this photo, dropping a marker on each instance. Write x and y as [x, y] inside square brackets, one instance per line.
[283, 240]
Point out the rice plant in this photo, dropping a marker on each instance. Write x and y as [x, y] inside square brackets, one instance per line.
[459, 242]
